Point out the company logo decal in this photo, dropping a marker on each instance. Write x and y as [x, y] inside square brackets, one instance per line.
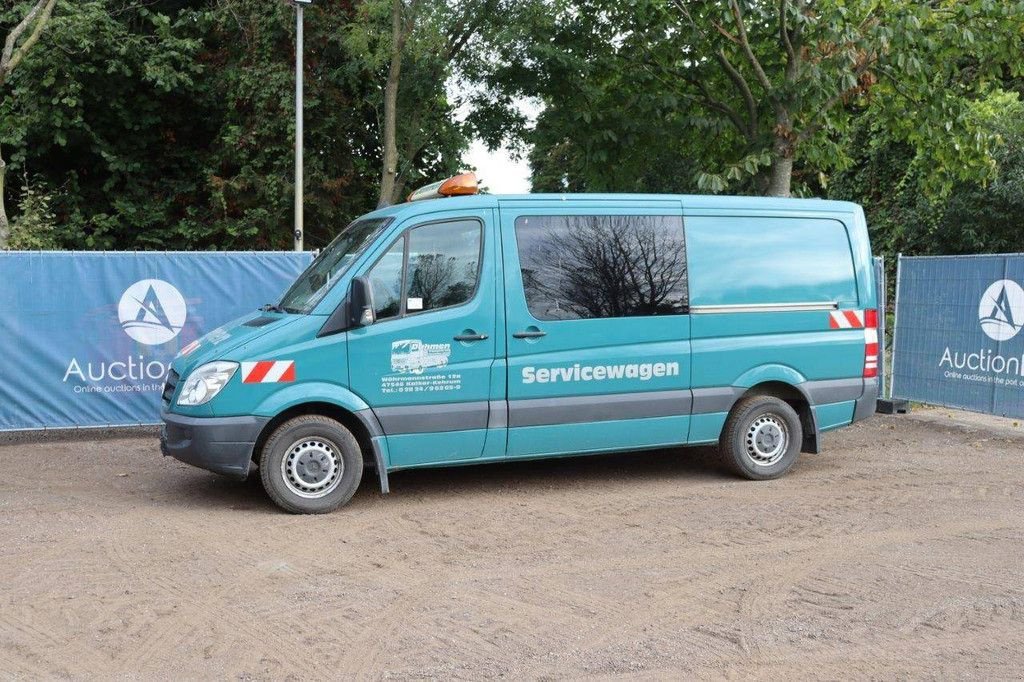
[152, 311]
[1001, 310]
[268, 372]
[413, 356]
[410, 361]
[846, 319]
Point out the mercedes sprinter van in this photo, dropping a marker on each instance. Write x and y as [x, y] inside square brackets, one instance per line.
[469, 328]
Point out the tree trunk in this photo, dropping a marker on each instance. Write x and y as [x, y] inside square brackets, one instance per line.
[780, 176]
[390, 170]
[5, 228]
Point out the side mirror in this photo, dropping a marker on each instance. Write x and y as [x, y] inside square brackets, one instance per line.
[360, 303]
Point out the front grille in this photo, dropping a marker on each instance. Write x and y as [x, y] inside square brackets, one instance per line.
[172, 383]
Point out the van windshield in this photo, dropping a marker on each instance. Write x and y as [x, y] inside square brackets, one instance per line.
[314, 283]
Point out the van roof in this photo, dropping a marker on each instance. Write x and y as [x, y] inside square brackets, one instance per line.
[689, 201]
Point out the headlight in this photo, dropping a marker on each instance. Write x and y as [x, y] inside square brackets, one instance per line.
[205, 382]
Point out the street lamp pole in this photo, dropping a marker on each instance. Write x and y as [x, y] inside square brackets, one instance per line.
[299, 228]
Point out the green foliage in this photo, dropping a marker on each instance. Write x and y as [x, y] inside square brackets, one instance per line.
[724, 90]
[984, 215]
[170, 124]
[35, 228]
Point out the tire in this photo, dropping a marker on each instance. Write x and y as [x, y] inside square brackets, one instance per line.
[761, 439]
[311, 465]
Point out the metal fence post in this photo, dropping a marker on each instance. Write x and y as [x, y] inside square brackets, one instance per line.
[880, 282]
[886, 403]
[895, 322]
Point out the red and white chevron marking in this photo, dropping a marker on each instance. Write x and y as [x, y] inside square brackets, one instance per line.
[268, 372]
[846, 319]
[870, 352]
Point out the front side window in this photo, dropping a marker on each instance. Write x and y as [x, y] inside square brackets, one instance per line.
[444, 263]
[585, 267]
[441, 269]
[314, 283]
[386, 281]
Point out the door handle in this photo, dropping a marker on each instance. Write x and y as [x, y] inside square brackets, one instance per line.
[529, 334]
[471, 337]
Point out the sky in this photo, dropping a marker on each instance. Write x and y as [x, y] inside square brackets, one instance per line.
[497, 170]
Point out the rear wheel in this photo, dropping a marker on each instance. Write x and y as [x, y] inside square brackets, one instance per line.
[311, 465]
[761, 438]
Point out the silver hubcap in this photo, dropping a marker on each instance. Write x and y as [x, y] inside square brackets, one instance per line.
[312, 468]
[767, 440]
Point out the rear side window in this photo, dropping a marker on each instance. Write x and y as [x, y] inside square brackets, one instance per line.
[585, 267]
[753, 260]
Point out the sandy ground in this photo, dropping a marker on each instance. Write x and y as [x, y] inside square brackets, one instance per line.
[897, 554]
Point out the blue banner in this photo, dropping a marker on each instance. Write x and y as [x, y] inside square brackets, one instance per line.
[87, 336]
[958, 336]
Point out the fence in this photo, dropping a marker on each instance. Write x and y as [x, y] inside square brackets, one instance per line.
[88, 336]
[957, 336]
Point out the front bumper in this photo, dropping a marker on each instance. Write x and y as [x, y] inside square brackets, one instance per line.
[222, 445]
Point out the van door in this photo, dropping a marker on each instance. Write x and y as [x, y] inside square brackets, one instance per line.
[597, 326]
[424, 365]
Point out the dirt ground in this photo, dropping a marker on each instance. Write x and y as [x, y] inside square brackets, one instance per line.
[899, 553]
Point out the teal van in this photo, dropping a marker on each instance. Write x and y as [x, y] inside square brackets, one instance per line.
[465, 329]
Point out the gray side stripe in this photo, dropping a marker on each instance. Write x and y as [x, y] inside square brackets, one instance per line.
[833, 390]
[498, 417]
[493, 414]
[717, 399]
[721, 399]
[597, 408]
[433, 418]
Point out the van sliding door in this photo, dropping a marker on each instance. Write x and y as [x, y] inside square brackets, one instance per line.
[597, 330]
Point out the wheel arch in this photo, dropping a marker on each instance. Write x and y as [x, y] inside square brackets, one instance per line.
[796, 397]
[338, 404]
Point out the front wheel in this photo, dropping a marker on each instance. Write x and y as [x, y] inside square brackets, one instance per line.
[761, 438]
[311, 465]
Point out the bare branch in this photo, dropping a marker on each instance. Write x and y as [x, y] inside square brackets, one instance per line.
[784, 32]
[743, 127]
[747, 50]
[728, 36]
[741, 83]
[750, 130]
[11, 57]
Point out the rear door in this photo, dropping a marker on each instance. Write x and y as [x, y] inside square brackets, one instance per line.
[597, 330]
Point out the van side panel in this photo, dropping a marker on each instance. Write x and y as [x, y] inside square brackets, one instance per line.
[835, 415]
[801, 267]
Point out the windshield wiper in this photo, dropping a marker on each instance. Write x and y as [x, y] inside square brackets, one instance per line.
[271, 308]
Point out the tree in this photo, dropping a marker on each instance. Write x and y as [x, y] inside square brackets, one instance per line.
[403, 20]
[33, 23]
[168, 124]
[784, 73]
[759, 95]
[427, 45]
[974, 217]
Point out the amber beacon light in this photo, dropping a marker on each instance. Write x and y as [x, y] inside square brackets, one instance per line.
[458, 185]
